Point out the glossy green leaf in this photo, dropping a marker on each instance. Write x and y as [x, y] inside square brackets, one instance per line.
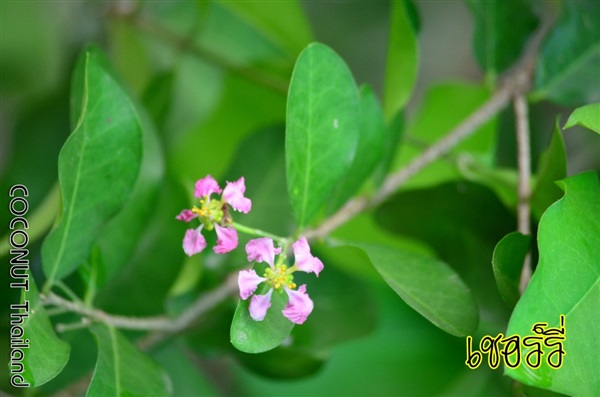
[282, 23]
[252, 336]
[121, 370]
[552, 167]
[392, 139]
[402, 59]
[428, 285]
[322, 129]
[566, 282]
[501, 31]
[369, 149]
[567, 68]
[508, 259]
[46, 355]
[98, 166]
[587, 116]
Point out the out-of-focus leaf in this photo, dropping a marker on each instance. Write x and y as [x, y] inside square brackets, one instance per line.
[252, 336]
[587, 116]
[157, 98]
[567, 68]
[322, 129]
[98, 166]
[402, 59]
[122, 370]
[508, 259]
[46, 355]
[283, 362]
[501, 31]
[371, 141]
[552, 168]
[428, 285]
[393, 136]
[283, 23]
[444, 107]
[566, 282]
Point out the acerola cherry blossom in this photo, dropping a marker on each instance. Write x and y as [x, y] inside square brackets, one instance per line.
[214, 214]
[279, 277]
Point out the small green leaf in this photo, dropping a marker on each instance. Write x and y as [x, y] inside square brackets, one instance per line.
[46, 355]
[122, 370]
[552, 167]
[368, 151]
[402, 59]
[98, 166]
[509, 256]
[587, 116]
[322, 129]
[501, 31]
[428, 285]
[566, 282]
[252, 336]
[567, 68]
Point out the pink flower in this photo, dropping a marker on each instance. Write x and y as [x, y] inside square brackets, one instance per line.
[299, 305]
[262, 250]
[186, 216]
[304, 260]
[259, 305]
[193, 242]
[234, 196]
[278, 277]
[248, 281]
[206, 186]
[227, 239]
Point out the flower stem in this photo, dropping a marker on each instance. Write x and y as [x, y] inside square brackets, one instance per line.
[261, 233]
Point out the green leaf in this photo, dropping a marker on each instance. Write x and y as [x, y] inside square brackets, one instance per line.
[122, 370]
[282, 23]
[508, 259]
[252, 336]
[46, 355]
[587, 116]
[567, 282]
[322, 129]
[402, 59]
[369, 149]
[552, 167]
[501, 31]
[567, 68]
[428, 285]
[97, 166]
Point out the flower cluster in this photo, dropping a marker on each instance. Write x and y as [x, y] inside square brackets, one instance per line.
[214, 214]
[279, 277]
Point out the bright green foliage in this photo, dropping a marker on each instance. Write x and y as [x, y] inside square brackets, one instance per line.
[508, 259]
[566, 281]
[587, 116]
[402, 59]
[97, 167]
[552, 167]
[322, 129]
[567, 68]
[47, 354]
[498, 44]
[121, 370]
[252, 336]
[428, 285]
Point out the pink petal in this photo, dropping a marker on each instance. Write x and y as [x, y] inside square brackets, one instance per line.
[248, 281]
[194, 241]
[186, 216]
[227, 239]
[259, 305]
[262, 250]
[304, 260]
[206, 186]
[299, 305]
[234, 196]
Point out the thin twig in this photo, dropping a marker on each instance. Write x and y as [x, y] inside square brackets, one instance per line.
[524, 189]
